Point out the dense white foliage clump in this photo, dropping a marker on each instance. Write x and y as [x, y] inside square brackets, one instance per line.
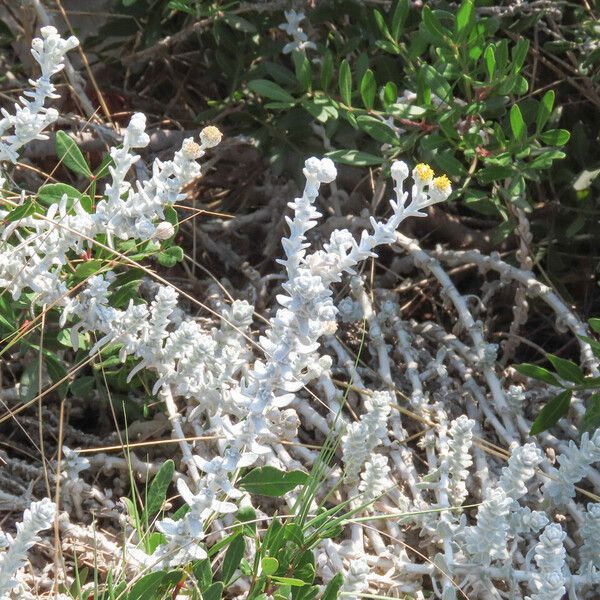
[250, 395]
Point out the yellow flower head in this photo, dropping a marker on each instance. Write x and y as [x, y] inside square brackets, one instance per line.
[442, 185]
[423, 173]
[210, 136]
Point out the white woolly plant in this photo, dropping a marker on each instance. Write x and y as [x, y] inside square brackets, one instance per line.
[38, 517]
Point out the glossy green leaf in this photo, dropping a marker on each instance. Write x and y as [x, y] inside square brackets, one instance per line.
[552, 412]
[517, 124]
[591, 418]
[326, 70]
[70, 155]
[233, 557]
[157, 492]
[269, 89]
[566, 369]
[22, 211]
[377, 129]
[52, 193]
[555, 137]
[544, 110]
[269, 566]
[465, 18]
[345, 83]
[490, 61]
[354, 158]
[213, 592]
[399, 15]
[170, 256]
[433, 26]
[536, 372]
[269, 481]
[368, 89]
[333, 588]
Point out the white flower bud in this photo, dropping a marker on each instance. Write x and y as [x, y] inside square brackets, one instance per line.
[399, 170]
[322, 170]
[164, 231]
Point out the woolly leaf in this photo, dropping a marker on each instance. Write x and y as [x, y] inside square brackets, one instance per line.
[552, 412]
[269, 481]
[70, 155]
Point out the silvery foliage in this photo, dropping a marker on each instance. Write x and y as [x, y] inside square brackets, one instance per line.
[36, 518]
[244, 400]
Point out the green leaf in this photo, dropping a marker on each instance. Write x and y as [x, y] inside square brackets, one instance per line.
[289, 581]
[70, 155]
[377, 129]
[269, 89]
[269, 481]
[595, 324]
[345, 83]
[566, 369]
[326, 70]
[555, 137]
[436, 83]
[517, 124]
[433, 26]
[214, 592]
[333, 588]
[390, 93]
[354, 158]
[552, 412]
[380, 22]
[490, 61]
[303, 69]
[544, 110]
[538, 373]
[203, 573]
[233, 557]
[57, 372]
[170, 256]
[465, 19]
[52, 193]
[157, 492]
[494, 173]
[29, 386]
[154, 585]
[269, 566]
[87, 269]
[368, 89]
[22, 211]
[246, 517]
[519, 54]
[399, 18]
[239, 23]
[83, 387]
[591, 419]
